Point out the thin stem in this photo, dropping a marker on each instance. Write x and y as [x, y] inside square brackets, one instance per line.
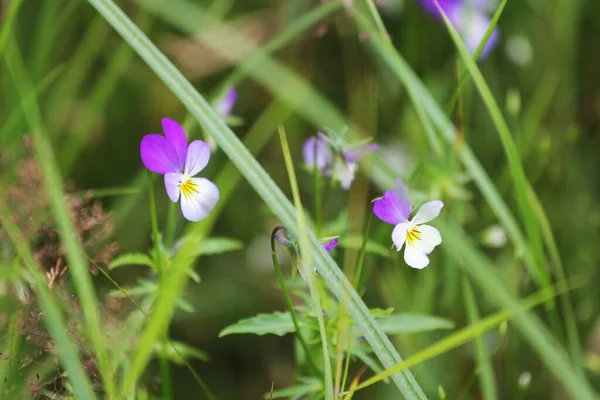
[171, 219]
[347, 363]
[317, 190]
[363, 251]
[164, 361]
[288, 301]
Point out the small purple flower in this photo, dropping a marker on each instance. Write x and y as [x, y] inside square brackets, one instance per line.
[394, 208]
[331, 245]
[341, 166]
[171, 156]
[469, 19]
[317, 150]
[225, 105]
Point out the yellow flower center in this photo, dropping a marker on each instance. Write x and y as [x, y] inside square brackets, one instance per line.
[412, 235]
[188, 188]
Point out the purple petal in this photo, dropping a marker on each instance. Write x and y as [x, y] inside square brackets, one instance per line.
[472, 27]
[354, 155]
[394, 207]
[197, 157]
[158, 155]
[447, 5]
[172, 182]
[331, 245]
[323, 157]
[225, 105]
[176, 136]
[283, 237]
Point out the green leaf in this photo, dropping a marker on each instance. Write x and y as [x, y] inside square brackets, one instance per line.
[412, 323]
[278, 323]
[354, 242]
[132, 259]
[302, 390]
[217, 245]
[178, 352]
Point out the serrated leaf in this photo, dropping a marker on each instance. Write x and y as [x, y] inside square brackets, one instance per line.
[216, 245]
[132, 259]
[412, 323]
[278, 323]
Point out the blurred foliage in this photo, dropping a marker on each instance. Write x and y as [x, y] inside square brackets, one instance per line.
[97, 100]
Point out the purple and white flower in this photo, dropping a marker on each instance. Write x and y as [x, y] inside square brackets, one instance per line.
[338, 165]
[469, 18]
[394, 208]
[171, 156]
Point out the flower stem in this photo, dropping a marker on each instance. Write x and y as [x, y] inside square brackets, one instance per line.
[164, 361]
[317, 193]
[361, 256]
[288, 301]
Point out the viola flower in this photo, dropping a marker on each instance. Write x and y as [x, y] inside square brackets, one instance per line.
[394, 208]
[225, 105]
[332, 163]
[171, 156]
[469, 18]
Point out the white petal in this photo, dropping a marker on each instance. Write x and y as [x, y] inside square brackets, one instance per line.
[197, 157]
[430, 237]
[415, 258]
[172, 181]
[344, 173]
[427, 212]
[399, 234]
[200, 201]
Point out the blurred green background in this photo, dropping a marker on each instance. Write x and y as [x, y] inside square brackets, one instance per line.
[98, 99]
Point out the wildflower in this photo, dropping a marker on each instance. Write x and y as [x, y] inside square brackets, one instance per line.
[171, 156]
[469, 18]
[225, 105]
[394, 208]
[331, 162]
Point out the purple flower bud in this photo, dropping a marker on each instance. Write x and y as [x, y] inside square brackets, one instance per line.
[331, 245]
[225, 105]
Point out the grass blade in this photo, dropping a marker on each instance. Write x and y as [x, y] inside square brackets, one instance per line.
[78, 267]
[470, 333]
[307, 263]
[512, 154]
[486, 370]
[530, 326]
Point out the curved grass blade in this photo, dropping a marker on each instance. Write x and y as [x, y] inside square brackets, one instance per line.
[472, 331]
[530, 326]
[264, 186]
[512, 154]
